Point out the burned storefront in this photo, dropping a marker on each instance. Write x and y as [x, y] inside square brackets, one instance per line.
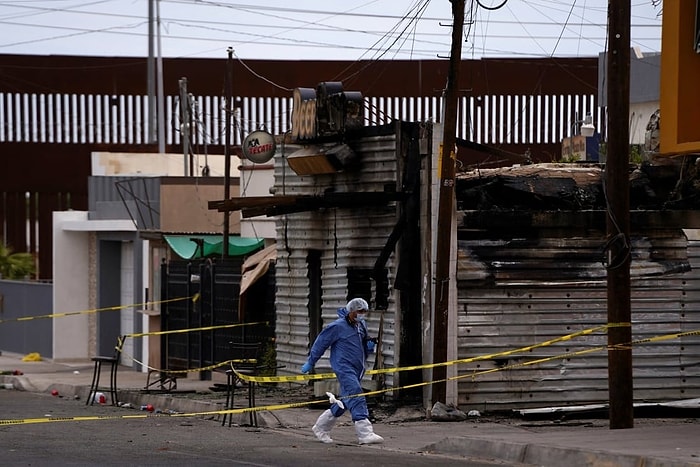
[532, 261]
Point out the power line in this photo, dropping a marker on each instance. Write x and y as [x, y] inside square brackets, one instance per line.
[43, 10]
[77, 32]
[326, 29]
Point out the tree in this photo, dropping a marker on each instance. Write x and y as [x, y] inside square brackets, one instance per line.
[15, 265]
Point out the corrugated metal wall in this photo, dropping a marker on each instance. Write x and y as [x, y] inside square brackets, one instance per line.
[689, 314]
[346, 238]
[553, 288]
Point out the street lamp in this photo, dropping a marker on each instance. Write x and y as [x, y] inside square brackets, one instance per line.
[586, 127]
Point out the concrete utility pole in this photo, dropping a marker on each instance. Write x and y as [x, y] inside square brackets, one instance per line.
[161, 92]
[446, 168]
[618, 217]
[228, 109]
[185, 120]
[151, 72]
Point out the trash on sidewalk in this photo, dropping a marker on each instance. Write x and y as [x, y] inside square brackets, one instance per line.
[446, 413]
[147, 408]
[32, 357]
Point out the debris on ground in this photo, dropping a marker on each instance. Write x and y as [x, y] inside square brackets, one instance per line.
[446, 413]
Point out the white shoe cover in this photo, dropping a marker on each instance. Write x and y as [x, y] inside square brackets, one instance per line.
[365, 432]
[324, 425]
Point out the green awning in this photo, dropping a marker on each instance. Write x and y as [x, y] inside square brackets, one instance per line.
[203, 246]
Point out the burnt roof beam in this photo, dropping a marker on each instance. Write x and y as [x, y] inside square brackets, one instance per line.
[277, 205]
[588, 219]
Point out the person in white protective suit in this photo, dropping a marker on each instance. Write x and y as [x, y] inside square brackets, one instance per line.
[350, 345]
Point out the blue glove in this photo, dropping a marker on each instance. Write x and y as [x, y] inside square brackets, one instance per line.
[306, 367]
[370, 346]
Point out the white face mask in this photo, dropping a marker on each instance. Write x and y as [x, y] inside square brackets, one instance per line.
[360, 315]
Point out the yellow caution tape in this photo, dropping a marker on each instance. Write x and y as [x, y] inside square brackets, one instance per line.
[369, 393]
[27, 421]
[205, 328]
[666, 337]
[310, 377]
[527, 363]
[177, 372]
[578, 353]
[194, 298]
[331, 375]
[289, 379]
[619, 325]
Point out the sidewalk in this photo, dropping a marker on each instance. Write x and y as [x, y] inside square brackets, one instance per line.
[652, 443]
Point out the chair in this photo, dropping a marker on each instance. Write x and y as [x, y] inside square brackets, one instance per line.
[244, 359]
[113, 362]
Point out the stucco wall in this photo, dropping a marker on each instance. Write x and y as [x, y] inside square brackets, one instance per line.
[71, 287]
[184, 205]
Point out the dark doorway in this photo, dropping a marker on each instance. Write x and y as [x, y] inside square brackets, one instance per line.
[109, 295]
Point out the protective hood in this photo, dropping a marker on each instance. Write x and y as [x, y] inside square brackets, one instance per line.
[343, 313]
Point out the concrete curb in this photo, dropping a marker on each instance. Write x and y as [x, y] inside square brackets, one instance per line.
[20, 383]
[543, 455]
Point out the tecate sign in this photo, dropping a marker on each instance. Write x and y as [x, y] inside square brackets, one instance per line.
[259, 147]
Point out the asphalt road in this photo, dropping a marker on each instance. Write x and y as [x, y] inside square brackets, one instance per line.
[166, 440]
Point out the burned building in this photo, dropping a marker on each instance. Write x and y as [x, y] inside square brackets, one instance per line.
[533, 256]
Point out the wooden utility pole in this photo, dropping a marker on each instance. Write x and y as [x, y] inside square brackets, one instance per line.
[228, 109]
[618, 217]
[446, 169]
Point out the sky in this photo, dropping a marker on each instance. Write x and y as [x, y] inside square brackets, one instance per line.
[319, 30]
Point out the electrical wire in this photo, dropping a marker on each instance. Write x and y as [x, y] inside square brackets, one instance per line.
[420, 44]
[568, 18]
[419, 8]
[257, 75]
[78, 32]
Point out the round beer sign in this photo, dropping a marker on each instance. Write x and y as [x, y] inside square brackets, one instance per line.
[259, 146]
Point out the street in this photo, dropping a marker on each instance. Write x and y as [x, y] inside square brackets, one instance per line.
[166, 440]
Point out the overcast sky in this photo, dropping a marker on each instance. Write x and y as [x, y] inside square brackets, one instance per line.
[313, 29]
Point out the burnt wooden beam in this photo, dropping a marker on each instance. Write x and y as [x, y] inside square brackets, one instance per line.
[253, 206]
[238, 203]
[591, 219]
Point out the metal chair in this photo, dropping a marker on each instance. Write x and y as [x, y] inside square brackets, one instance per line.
[244, 359]
[113, 362]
